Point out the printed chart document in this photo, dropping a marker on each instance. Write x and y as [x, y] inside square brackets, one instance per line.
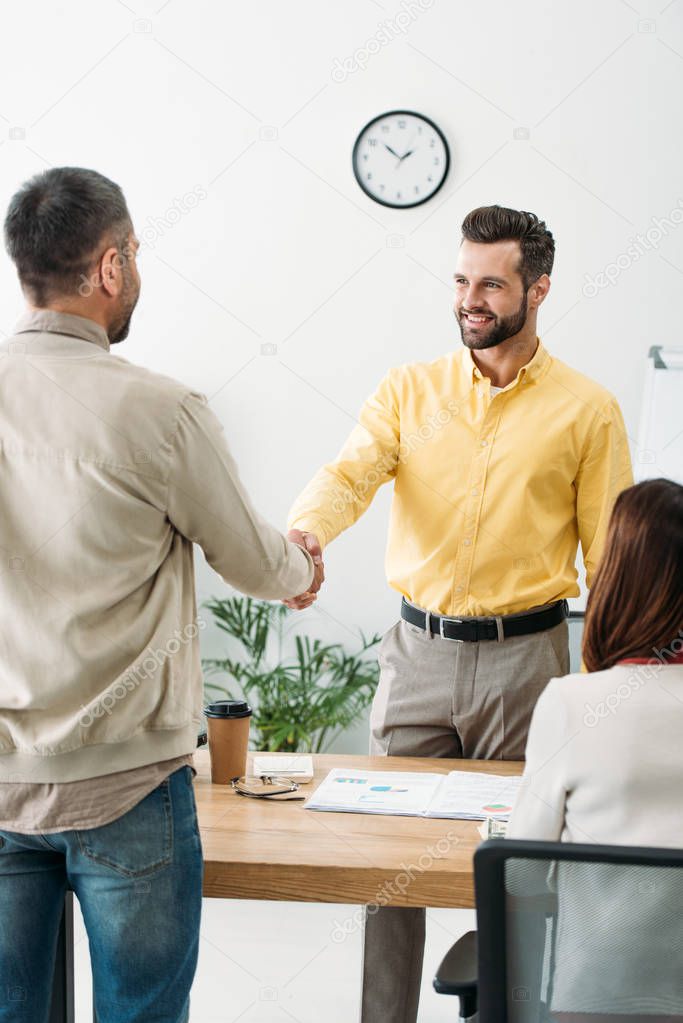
[459, 795]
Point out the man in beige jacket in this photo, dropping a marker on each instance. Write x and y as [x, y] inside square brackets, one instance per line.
[109, 473]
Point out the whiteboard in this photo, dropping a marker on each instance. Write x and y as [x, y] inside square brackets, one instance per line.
[660, 441]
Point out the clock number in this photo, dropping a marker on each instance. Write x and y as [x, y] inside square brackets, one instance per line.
[385, 127]
[401, 124]
[369, 177]
[436, 160]
[432, 143]
[372, 142]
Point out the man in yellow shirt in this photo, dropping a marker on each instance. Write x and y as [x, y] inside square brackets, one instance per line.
[503, 459]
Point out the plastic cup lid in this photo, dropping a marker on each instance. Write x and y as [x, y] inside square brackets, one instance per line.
[228, 709]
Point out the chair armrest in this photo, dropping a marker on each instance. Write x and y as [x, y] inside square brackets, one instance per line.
[457, 974]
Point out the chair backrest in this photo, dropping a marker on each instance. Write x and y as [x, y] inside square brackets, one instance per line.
[579, 933]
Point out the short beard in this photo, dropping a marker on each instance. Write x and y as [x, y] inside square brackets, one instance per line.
[119, 327]
[119, 331]
[503, 328]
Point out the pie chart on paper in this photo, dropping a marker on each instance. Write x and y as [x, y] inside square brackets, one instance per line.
[497, 808]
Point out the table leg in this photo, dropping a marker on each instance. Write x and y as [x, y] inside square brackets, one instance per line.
[62, 1007]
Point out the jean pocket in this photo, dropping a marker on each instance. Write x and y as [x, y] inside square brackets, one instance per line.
[137, 843]
[7, 844]
[12, 842]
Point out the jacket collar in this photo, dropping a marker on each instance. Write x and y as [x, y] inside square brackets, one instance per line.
[50, 322]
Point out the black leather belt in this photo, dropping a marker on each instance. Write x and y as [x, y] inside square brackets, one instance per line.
[499, 627]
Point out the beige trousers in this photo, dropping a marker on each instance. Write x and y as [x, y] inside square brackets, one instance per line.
[440, 698]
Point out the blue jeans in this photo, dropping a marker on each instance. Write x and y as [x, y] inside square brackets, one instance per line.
[139, 884]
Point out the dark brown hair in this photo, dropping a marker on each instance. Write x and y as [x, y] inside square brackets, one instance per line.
[635, 606]
[54, 224]
[498, 224]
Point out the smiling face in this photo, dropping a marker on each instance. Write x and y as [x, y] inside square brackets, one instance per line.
[490, 298]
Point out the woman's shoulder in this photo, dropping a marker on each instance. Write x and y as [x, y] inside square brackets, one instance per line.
[614, 682]
[569, 686]
[616, 673]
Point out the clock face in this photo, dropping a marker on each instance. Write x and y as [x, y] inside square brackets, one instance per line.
[401, 159]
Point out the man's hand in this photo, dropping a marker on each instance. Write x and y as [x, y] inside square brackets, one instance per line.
[310, 543]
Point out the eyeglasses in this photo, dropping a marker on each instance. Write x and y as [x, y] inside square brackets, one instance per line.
[266, 787]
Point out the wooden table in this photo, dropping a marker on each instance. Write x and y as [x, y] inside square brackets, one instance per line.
[260, 849]
[257, 849]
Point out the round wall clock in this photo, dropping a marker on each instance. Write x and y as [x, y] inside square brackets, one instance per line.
[401, 159]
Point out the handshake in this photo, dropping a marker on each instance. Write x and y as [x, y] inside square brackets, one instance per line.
[310, 543]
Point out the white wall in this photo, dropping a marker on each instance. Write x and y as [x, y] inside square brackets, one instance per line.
[239, 100]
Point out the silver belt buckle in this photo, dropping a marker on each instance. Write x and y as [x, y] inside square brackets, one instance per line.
[451, 639]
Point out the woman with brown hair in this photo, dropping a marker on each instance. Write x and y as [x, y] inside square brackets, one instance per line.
[604, 764]
[598, 742]
[635, 609]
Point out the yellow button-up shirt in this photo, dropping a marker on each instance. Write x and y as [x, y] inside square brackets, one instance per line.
[492, 494]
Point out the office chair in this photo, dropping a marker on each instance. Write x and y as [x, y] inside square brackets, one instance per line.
[570, 933]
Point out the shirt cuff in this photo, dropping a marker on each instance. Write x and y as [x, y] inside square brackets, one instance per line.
[309, 525]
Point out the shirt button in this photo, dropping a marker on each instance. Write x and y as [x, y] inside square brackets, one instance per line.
[484, 443]
[467, 542]
[458, 589]
[475, 493]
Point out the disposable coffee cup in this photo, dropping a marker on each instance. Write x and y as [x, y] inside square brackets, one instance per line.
[228, 730]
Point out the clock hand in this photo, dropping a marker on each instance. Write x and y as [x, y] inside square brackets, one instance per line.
[409, 151]
[392, 151]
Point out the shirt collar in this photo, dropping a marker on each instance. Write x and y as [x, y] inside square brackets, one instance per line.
[532, 370]
[50, 322]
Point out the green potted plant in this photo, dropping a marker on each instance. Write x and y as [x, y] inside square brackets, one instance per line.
[300, 703]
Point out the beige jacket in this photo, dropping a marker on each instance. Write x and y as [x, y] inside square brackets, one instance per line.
[109, 473]
[604, 759]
